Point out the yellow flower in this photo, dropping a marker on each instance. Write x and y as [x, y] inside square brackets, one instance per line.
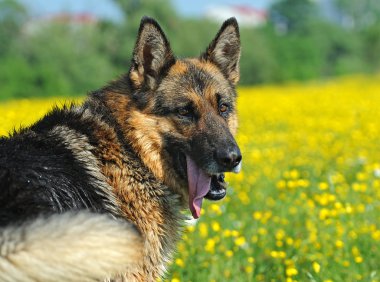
[280, 234]
[203, 230]
[289, 241]
[294, 174]
[243, 197]
[227, 233]
[376, 235]
[323, 214]
[210, 245]
[257, 215]
[316, 267]
[360, 208]
[358, 259]
[248, 269]
[277, 254]
[179, 262]
[361, 176]
[240, 241]
[292, 184]
[349, 209]
[229, 253]
[338, 205]
[215, 226]
[355, 251]
[339, 244]
[323, 186]
[281, 184]
[274, 254]
[279, 244]
[303, 183]
[234, 233]
[291, 271]
[216, 209]
[262, 231]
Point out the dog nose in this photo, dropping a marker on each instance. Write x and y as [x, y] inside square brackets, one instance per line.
[229, 158]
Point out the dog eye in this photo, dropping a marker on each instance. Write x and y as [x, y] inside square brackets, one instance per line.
[223, 109]
[185, 112]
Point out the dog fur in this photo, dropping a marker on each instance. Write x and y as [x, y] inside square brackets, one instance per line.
[97, 190]
[64, 248]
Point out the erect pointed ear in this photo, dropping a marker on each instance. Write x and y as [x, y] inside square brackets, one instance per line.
[224, 50]
[152, 54]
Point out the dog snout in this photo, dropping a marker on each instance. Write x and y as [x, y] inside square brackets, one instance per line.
[229, 157]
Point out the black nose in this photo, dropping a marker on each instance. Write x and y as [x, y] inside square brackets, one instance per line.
[228, 158]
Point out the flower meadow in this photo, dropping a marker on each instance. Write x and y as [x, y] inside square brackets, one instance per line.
[306, 206]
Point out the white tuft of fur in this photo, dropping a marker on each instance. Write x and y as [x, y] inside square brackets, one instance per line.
[69, 247]
[237, 168]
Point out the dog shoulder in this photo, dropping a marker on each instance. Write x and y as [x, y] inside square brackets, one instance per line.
[51, 167]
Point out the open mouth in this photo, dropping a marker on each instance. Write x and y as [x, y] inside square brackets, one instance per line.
[202, 185]
[218, 188]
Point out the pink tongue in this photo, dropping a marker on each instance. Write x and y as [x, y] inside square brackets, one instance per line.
[199, 185]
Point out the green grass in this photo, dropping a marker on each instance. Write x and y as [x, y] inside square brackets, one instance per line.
[306, 206]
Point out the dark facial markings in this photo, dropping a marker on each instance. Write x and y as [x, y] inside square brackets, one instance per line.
[180, 94]
[196, 78]
[225, 105]
[187, 113]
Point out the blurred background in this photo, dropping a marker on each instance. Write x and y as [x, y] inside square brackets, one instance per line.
[306, 205]
[68, 47]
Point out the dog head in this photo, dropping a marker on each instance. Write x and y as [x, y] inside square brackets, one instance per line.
[189, 107]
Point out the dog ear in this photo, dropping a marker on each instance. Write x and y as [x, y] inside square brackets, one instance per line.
[224, 50]
[151, 56]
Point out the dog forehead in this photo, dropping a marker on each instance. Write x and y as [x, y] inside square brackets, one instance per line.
[195, 76]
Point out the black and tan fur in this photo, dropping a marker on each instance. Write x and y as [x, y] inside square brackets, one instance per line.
[96, 190]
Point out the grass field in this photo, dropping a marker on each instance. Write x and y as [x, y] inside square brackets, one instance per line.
[306, 206]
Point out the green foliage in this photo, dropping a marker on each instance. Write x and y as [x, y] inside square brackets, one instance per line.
[361, 13]
[12, 16]
[59, 61]
[257, 64]
[295, 15]
[371, 49]
[297, 43]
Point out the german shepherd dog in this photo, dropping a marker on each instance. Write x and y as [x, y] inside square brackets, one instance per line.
[96, 191]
